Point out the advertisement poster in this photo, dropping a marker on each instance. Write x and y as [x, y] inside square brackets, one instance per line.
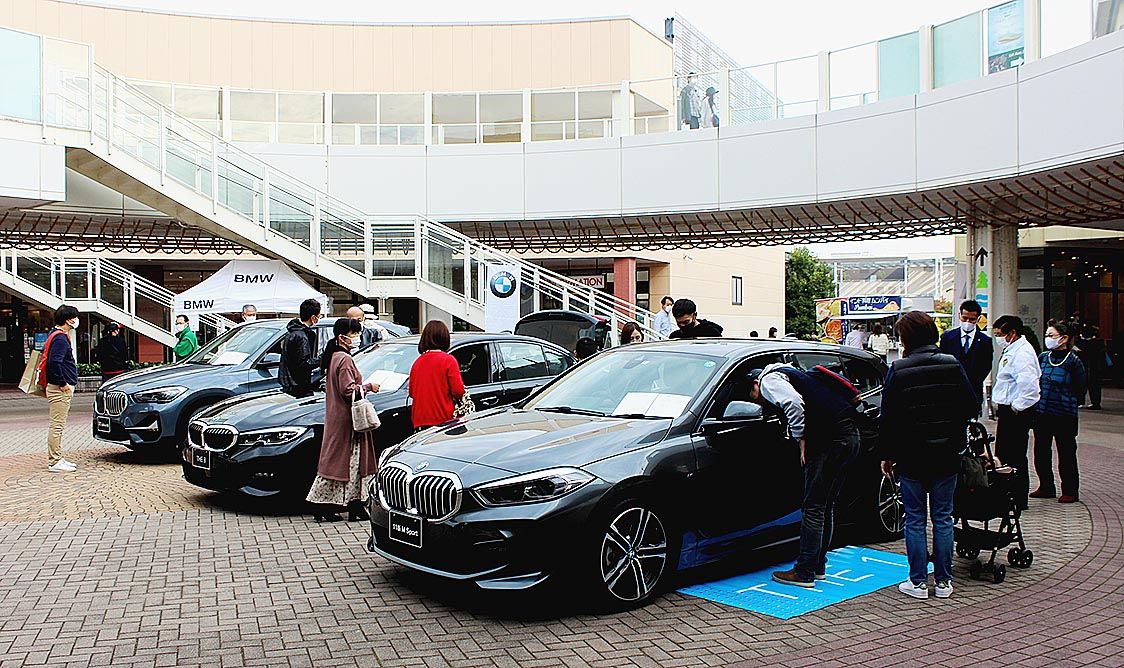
[501, 304]
[826, 310]
[1005, 36]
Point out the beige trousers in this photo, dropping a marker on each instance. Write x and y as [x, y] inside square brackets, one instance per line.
[58, 407]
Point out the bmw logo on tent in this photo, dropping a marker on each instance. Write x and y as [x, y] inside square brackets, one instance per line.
[502, 284]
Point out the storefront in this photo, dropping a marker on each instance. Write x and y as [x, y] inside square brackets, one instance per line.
[1056, 282]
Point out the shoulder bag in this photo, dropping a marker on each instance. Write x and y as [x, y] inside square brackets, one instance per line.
[364, 417]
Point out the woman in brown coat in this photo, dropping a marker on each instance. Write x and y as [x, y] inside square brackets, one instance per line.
[347, 458]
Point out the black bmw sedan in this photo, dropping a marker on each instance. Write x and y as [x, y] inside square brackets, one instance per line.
[639, 462]
[268, 443]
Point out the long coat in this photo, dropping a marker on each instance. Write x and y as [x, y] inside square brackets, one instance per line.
[342, 380]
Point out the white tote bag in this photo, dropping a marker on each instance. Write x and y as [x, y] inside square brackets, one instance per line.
[364, 417]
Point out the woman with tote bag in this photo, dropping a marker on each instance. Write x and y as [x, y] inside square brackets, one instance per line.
[347, 457]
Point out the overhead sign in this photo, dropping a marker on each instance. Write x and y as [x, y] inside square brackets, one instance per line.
[501, 303]
[1005, 36]
[851, 572]
[595, 281]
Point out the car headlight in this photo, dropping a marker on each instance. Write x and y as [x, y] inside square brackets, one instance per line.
[532, 487]
[160, 395]
[275, 436]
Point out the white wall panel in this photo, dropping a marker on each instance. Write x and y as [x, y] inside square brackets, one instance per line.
[966, 131]
[379, 180]
[32, 171]
[670, 172]
[475, 182]
[767, 163]
[866, 150]
[1071, 105]
[307, 163]
[573, 178]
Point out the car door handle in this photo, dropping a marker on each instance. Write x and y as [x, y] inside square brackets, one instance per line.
[488, 401]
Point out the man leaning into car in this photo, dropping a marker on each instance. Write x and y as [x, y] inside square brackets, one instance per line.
[821, 421]
[298, 352]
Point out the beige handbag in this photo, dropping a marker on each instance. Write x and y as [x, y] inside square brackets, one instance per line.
[29, 380]
[364, 417]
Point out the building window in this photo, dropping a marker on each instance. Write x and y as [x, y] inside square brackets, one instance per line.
[736, 292]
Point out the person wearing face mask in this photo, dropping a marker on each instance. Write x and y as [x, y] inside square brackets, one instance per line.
[1015, 393]
[298, 352]
[186, 343]
[60, 371]
[1062, 386]
[971, 347]
[249, 313]
[690, 325]
[663, 324]
[348, 460]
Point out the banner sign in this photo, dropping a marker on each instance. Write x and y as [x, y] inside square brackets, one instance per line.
[597, 281]
[887, 304]
[827, 314]
[501, 303]
[1005, 36]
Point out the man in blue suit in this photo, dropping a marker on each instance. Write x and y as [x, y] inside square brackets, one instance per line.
[970, 346]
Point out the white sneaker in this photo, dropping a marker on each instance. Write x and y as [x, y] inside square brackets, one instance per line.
[68, 463]
[914, 590]
[944, 589]
[62, 466]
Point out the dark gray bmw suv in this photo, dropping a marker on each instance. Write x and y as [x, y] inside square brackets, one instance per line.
[151, 408]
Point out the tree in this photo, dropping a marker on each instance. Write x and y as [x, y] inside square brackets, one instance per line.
[806, 279]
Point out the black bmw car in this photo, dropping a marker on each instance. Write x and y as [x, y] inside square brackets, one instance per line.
[639, 462]
[268, 443]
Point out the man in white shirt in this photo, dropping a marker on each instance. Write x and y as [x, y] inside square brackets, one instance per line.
[664, 323]
[1015, 394]
[856, 337]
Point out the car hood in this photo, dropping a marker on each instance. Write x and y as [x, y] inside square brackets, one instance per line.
[522, 441]
[174, 374]
[274, 408]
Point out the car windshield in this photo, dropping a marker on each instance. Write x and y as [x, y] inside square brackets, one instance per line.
[630, 383]
[388, 364]
[234, 346]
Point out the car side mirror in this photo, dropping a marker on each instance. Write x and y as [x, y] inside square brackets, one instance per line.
[270, 361]
[738, 414]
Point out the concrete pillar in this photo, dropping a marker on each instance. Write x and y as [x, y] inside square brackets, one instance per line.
[925, 57]
[624, 279]
[1005, 270]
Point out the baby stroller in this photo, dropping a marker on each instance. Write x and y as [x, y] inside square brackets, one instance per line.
[977, 508]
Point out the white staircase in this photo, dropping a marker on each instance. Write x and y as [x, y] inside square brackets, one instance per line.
[94, 285]
[120, 137]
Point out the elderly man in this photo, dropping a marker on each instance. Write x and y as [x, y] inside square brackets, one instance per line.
[249, 313]
[372, 332]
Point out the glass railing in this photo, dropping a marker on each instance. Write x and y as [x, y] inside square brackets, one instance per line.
[294, 215]
[93, 280]
[988, 41]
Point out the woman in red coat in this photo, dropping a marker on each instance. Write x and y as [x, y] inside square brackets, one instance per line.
[435, 378]
[347, 458]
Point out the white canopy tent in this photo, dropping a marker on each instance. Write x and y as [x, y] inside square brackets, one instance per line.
[270, 285]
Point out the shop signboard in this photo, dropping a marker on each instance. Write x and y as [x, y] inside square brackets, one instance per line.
[596, 281]
[827, 314]
[501, 304]
[888, 304]
[1006, 36]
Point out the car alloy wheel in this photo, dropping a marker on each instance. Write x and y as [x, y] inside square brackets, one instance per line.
[634, 553]
[891, 511]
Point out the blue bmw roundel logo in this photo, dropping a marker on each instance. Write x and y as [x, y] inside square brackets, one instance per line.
[502, 284]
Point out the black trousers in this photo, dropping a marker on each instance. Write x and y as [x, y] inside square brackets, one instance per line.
[1012, 438]
[1095, 375]
[1062, 430]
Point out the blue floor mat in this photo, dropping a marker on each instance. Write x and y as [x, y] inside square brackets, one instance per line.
[851, 572]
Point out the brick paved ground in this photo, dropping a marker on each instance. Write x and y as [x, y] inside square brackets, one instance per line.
[125, 564]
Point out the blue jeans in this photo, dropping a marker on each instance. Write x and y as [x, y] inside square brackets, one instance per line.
[825, 464]
[940, 492]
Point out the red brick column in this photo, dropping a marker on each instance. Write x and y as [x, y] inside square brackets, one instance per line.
[624, 279]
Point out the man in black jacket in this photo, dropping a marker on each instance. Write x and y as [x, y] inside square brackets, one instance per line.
[926, 404]
[688, 322]
[971, 347]
[298, 352]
